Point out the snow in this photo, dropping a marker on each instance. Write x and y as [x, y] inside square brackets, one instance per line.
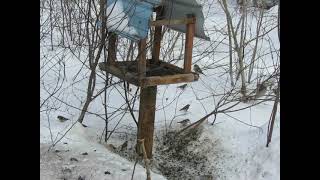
[54, 165]
[234, 148]
[244, 153]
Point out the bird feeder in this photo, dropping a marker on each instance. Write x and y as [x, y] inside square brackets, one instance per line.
[148, 73]
[152, 72]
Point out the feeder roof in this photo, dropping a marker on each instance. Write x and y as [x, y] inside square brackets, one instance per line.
[178, 9]
[130, 18]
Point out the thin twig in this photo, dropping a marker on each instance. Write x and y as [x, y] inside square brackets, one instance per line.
[134, 167]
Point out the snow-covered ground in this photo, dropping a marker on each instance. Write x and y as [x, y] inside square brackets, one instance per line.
[234, 148]
[92, 160]
[233, 151]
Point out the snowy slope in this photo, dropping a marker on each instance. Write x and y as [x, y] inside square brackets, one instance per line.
[98, 164]
[232, 148]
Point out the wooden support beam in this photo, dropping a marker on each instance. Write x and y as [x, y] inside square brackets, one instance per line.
[189, 45]
[142, 58]
[146, 117]
[166, 22]
[147, 81]
[157, 37]
[170, 79]
[127, 71]
[111, 48]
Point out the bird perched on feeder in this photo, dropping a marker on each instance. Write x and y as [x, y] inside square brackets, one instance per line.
[62, 119]
[184, 122]
[185, 108]
[197, 69]
[182, 86]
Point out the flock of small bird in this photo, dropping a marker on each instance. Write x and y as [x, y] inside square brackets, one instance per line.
[184, 122]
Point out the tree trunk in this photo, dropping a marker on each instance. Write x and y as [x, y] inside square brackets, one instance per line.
[241, 51]
[273, 115]
[230, 55]
[256, 46]
[93, 61]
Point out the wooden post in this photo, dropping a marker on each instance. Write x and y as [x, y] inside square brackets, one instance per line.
[147, 104]
[189, 44]
[111, 48]
[142, 58]
[146, 117]
[157, 37]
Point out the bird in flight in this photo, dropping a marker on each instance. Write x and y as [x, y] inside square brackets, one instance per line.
[62, 119]
[185, 108]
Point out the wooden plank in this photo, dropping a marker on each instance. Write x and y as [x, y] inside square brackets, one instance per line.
[146, 117]
[170, 79]
[111, 58]
[142, 58]
[157, 38]
[166, 22]
[189, 45]
[120, 73]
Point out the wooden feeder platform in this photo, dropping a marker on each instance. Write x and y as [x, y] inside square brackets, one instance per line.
[159, 73]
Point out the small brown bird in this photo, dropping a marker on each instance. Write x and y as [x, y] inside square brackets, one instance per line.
[185, 108]
[62, 119]
[74, 159]
[261, 90]
[197, 69]
[182, 86]
[274, 91]
[124, 146]
[81, 178]
[184, 122]
[110, 147]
